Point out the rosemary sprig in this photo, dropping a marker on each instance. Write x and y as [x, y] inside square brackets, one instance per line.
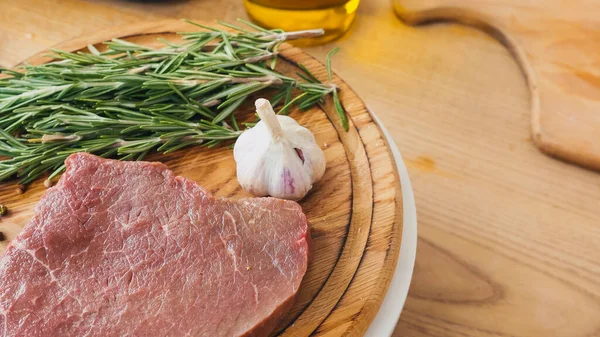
[130, 99]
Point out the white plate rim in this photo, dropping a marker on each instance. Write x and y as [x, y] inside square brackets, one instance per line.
[389, 312]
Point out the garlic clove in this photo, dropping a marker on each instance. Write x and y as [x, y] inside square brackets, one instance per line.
[278, 157]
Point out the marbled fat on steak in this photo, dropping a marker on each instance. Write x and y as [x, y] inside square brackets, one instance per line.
[129, 249]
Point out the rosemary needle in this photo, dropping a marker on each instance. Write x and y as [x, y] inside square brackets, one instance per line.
[131, 99]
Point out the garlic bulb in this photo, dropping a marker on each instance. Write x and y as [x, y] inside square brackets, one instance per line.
[277, 157]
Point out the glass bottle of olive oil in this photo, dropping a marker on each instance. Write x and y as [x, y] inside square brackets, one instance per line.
[334, 16]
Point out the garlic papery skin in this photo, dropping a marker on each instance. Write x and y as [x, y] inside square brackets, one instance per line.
[277, 157]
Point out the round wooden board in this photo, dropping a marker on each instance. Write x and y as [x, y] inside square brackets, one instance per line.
[355, 210]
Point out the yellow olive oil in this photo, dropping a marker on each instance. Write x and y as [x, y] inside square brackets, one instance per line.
[334, 16]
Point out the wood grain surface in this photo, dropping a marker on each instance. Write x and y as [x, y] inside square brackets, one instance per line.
[557, 45]
[508, 237]
[346, 210]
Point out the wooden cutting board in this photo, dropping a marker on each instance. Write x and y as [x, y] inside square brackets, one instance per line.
[355, 210]
[557, 45]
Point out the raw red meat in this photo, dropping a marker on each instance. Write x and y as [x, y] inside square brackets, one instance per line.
[128, 249]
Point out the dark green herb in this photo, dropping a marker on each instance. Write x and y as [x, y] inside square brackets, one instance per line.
[132, 99]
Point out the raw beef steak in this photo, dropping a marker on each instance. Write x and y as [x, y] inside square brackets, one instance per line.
[128, 249]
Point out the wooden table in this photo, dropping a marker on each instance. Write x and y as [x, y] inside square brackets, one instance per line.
[509, 239]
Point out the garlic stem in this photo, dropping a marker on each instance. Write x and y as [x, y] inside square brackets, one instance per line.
[295, 35]
[267, 114]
